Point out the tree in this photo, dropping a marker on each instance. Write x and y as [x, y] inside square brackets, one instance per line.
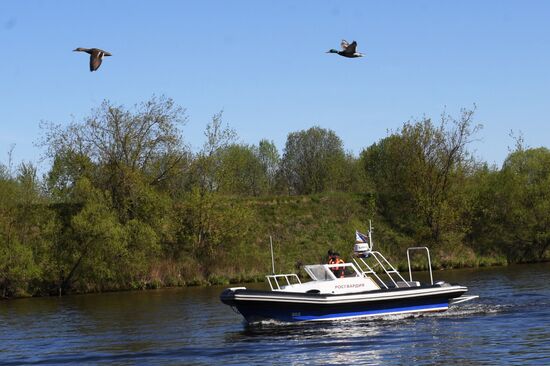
[270, 161]
[418, 170]
[93, 248]
[25, 229]
[311, 159]
[128, 148]
[67, 168]
[210, 224]
[516, 206]
[206, 164]
[241, 171]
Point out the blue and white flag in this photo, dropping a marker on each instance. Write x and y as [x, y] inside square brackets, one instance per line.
[360, 238]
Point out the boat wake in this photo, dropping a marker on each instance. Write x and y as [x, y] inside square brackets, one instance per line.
[453, 312]
[473, 309]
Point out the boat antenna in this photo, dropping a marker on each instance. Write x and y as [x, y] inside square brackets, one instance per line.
[272, 259]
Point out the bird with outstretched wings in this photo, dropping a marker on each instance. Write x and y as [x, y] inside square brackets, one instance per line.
[96, 56]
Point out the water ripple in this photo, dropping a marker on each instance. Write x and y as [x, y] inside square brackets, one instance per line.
[508, 324]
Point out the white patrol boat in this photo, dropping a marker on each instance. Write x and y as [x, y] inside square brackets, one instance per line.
[345, 290]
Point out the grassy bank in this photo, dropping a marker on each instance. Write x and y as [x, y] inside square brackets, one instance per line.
[303, 228]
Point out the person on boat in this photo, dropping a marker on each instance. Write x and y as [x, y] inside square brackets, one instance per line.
[331, 257]
[335, 259]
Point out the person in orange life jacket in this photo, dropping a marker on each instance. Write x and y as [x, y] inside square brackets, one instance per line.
[331, 258]
[334, 258]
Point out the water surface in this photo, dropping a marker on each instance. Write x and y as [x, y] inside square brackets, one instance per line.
[508, 324]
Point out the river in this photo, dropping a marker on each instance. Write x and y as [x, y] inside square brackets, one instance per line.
[508, 324]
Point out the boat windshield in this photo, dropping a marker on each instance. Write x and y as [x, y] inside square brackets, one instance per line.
[319, 272]
[324, 272]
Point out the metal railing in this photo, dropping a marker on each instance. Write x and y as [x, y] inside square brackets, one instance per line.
[386, 266]
[287, 277]
[429, 261]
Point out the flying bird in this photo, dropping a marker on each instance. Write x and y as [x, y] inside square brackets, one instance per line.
[348, 50]
[96, 55]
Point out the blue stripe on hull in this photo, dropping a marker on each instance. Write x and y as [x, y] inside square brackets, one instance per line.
[408, 309]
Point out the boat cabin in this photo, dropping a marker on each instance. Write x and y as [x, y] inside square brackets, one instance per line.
[369, 271]
[325, 279]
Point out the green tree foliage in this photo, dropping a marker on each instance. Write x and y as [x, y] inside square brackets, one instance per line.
[114, 175]
[26, 228]
[418, 172]
[96, 249]
[311, 161]
[211, 224]
[206, 166]
[67, 168]
[96, 241]
[129, 148]
[125, 204]
[511, 214]
[241, 171]
[17, 267]
[270, 161]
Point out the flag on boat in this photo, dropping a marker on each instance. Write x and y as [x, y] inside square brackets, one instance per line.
[360, 238]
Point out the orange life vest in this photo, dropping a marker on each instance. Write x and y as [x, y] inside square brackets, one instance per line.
[337, 270]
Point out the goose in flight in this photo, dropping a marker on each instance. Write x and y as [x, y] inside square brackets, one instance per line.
[348, 50]
[96, 55]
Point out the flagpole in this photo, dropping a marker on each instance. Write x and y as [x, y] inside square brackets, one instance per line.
[370, 234]
[272, 259]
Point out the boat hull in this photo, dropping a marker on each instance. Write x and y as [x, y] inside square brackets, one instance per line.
[293, 307]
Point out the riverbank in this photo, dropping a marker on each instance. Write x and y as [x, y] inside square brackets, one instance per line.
[221, 280]
[133, 208]
[302, 228]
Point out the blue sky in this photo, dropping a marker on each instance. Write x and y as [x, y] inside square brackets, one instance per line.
[264, 64]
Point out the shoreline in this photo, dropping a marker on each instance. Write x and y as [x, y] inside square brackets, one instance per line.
[253, 279]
